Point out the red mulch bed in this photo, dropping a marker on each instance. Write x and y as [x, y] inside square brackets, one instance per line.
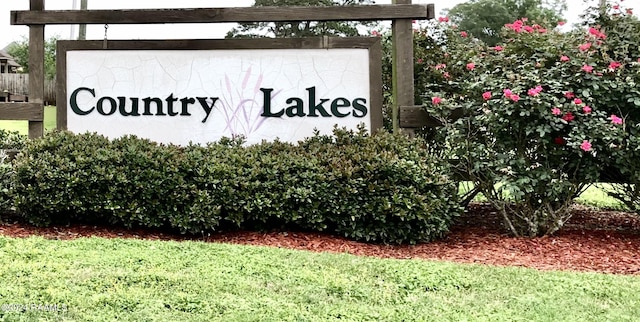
[597, 241]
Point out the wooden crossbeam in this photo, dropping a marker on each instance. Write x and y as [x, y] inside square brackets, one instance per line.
[22, 111]
[218, 15]
[412, 117]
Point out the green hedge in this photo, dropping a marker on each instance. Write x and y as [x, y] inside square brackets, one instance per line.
[381, 188]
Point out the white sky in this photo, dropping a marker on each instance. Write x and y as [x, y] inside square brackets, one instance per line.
[10, 33]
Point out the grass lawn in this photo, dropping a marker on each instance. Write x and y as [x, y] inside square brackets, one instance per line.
[23, 126]
[595, 196]
[135, 280]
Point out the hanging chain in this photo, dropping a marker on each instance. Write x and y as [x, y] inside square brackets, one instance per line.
[104, 43]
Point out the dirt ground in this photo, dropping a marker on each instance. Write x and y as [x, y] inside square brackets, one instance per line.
[596, 241]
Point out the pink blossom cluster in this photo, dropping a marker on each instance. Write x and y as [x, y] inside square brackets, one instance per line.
[576, 109]
[519, 26]
[534, 91]
[585, 46]
[508, 93]
[568, 117]
[597, 33]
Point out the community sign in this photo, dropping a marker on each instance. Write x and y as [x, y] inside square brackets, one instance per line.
[183, 92]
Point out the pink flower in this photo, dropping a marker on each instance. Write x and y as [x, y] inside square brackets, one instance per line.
[436, 100]
[587, 68]
[586, 109]
[375, 33]
[614, 65]
[615, 119]
[500, 48]
[585, 146]
[534, 91]
[616, 7]
[629, 11]
[464, 34]
[564, 58]
[486, 96]
[443, 19]
[569, 95]
[577, 101]
[507, 92]
[585, 47]
[568, 117]
[528, 29]
[514, 97]
[515, 26]
[597, 33]
[440, 66]
[561, 23]
[542, 30]
[556, 111]
[446, 75]
[420, 60]
[471, 66]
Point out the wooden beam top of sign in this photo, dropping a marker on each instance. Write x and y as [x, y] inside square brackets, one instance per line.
[216, 15]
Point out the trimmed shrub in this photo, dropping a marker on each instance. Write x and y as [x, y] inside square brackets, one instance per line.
[383, 188]
[148, 186]
[10, 142]
[64, 177]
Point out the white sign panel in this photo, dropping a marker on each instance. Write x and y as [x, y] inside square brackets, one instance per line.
[199, 96]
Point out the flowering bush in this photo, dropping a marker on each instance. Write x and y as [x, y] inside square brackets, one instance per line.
[622, 46]
[538, 125]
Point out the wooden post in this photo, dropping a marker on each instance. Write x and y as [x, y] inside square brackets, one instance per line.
[82, 34]
[36, 68]
[402, 65]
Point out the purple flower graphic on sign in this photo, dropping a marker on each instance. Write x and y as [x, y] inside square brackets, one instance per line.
[242, 104]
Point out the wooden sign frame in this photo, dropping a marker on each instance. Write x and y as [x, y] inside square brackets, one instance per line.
[373, 45]
[400, 12]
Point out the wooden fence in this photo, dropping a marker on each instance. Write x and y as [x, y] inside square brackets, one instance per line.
[18, 84]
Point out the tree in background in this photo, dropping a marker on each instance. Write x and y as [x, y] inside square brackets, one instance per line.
[20, 52]
[302, 29]
[484, 18]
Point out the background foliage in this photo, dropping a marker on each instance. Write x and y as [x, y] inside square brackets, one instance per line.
[302, 29]
[20, 52]
[484, 19]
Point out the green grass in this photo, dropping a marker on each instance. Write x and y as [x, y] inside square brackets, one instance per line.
[595, 196]
[23, 126]
[133, 280]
